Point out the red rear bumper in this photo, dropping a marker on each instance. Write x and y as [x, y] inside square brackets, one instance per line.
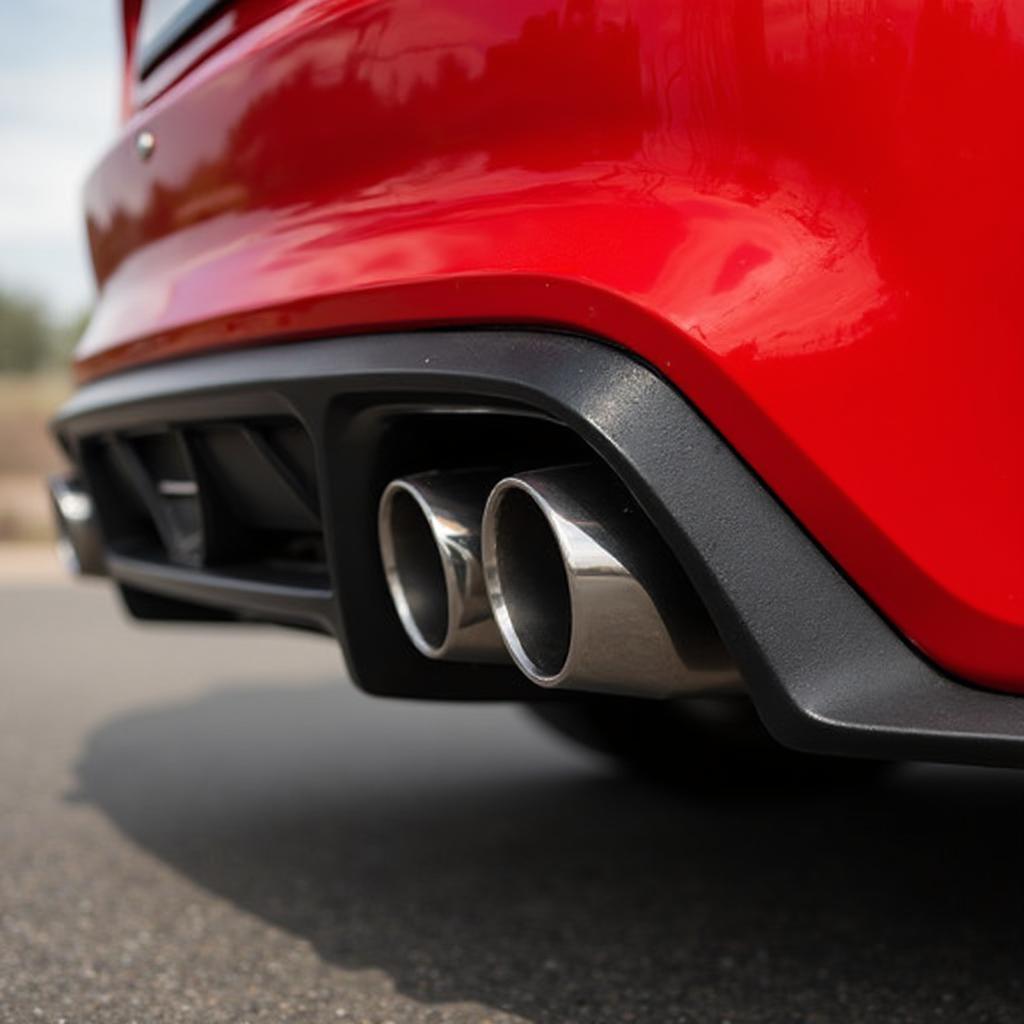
[809, 222]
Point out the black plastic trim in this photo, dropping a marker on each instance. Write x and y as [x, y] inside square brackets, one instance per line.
[311, 605]
[827, 673]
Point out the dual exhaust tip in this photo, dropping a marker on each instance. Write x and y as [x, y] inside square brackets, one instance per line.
[553, 569]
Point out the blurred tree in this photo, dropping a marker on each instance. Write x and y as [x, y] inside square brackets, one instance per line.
[26, 334]
[30, 338]
[65, 337]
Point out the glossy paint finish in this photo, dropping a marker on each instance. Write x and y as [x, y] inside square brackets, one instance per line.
[807, 215]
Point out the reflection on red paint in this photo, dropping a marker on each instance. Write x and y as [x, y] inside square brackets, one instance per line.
[807, 215]
[745, 258]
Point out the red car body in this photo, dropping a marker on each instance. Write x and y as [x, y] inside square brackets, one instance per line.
[808, 217]
[616, 232]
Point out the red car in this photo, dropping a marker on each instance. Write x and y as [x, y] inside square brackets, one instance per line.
[581, 352]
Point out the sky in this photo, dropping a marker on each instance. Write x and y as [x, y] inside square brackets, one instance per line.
[58, 111]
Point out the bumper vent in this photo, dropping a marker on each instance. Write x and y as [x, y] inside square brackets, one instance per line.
[231, 495]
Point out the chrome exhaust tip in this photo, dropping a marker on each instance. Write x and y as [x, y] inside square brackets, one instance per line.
[429, 532]
[79, 542]
[585, 595]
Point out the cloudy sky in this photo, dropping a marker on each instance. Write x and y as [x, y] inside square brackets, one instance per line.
[58, 110]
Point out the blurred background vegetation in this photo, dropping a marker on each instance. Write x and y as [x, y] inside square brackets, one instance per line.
[35, 355]
[31, 339]
[61, 66]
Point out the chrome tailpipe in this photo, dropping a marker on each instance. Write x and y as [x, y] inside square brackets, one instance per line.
[586, 595]
[79, 541]
[429, 532]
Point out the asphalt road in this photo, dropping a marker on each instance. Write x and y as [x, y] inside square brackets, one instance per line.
[210, 825]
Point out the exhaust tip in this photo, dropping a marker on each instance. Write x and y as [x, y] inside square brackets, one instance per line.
[413, 567]
[527, 581]
[429, 533]
[586, 595]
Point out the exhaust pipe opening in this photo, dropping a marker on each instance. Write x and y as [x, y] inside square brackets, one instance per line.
[587, 596]
[416, 574]
[429, 532]
[535, 604]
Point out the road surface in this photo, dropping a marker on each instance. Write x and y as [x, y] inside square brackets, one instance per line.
[209, 824]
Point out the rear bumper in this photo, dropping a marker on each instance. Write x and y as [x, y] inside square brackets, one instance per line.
[825, 669]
